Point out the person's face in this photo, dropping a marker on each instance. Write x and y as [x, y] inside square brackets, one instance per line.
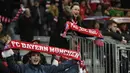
[83, 3]
[47, 6]
[118, 15]
[57, 4]
[1, 27]
[36, 4]
[128, 13]
[124, 26]
[108, 7]
[53, 7]
[114, 27]
[35, 58]
[75, 10]
[99, 7]
[118, 5]
[66, 1]
[27, 12]
[97, 26]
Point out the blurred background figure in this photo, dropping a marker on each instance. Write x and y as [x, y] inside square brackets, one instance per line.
[4, 37]
[27, 3]
[83, 9]
[52, 18]
[38, 15]
[6, 7]
[113, 31]
[99, 10]
[26, 27]
[3, 68]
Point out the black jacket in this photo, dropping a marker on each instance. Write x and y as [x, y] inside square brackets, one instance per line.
[29, 68]
[36, 17]
[26, 28]
[114, 35]
[56, 39]
[3, 68]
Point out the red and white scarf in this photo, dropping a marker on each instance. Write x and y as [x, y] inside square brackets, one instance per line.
[8, 20]
[73, 26]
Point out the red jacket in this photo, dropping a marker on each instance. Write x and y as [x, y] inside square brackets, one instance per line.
[93, 6]
[82, 11]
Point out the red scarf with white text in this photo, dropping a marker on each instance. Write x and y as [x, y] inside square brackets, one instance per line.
[75, 27]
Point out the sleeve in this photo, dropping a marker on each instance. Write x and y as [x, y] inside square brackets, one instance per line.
[127, 37]
[60, 67]
[113, 35]
[15, 68]
[3, 68]
[34, 14]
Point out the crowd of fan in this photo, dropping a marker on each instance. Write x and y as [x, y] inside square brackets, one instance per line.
[48, 18]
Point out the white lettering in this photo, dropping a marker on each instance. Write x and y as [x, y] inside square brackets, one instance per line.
[45, 48]
[83, 29]
[37, 47]
[77, 55]
[41, 48]
[74, 54]
[17, 44]
[56, 50]
[23, 45]
[61, 51]
[28, 46]
[75, 27]
[13, 43]
[92, 31]
[32, 46]
[66, 52]
[71, 53]
[52, 49]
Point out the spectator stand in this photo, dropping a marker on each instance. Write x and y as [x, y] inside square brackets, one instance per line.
[108, 56]
[102, 59]
[98, 59]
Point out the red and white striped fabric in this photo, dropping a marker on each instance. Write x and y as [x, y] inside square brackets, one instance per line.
[8, 20]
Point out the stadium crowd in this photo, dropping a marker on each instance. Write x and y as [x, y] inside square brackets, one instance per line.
[48, 18]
